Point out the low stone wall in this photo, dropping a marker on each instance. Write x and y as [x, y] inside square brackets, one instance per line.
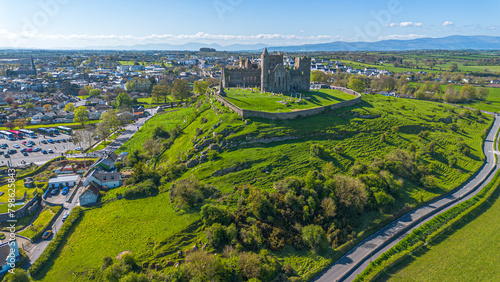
[291, 115]
[28, 208]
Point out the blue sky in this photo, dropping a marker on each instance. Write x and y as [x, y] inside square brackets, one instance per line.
[82, 23]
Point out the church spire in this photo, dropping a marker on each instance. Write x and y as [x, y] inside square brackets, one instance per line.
[265, 51]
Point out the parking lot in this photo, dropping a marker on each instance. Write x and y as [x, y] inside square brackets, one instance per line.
[56, 149]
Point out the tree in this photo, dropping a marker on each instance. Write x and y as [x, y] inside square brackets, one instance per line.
[453, 67]
[47, 108]
[451, 94]
[356, 85]
[214, 214]
[111, 119]
[9, 99]
[81, 115]
[468, 93]
[29, 105]
[94, 93]
[83, 92]
[10, 125]
[160, 92]
[70, 107]
[138, 84]
[482, 93]
[19, 275]
[102, 130]
[124, 100]
[320, 77]
[350, 192]
[180, 89]
[315, 237]
[200, 87]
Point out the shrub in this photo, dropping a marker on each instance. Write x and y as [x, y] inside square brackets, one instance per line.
[215, 214]
[143, 189]
[159, 132]
[54, 244]
[315, 237]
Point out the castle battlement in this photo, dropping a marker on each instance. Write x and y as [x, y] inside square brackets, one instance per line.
[271, 75]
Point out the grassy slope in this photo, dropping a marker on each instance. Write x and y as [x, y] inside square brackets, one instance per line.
[359, 137]
[266, 102]
[19, 191]
[168, 120]
[468, 252]
[135, 225]
[43, 219]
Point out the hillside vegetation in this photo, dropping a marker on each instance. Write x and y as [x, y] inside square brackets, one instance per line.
[274, 198]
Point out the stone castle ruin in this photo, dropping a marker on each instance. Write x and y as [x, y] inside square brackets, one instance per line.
[271, 75]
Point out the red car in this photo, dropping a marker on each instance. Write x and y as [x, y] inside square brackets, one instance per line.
[24, 142]
[29, 150]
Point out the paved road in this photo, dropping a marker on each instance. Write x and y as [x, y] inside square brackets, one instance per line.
[35, 250]
[356, 260]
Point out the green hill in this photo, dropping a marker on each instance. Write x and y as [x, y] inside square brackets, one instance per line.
[289, 197]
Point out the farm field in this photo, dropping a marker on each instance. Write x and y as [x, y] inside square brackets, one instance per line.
[467, 252]
[269, 102]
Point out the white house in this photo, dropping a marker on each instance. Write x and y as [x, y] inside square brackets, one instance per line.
[63, 181]
[108, 179]
[90, 194]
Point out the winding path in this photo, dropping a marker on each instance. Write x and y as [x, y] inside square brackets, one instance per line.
[358, 258]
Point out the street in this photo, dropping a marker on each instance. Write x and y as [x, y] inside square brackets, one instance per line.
[357, 259]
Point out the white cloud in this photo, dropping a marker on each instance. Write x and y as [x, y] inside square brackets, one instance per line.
[402, 36]
[165, 37]
[492, 27]
[447, 23]
[405, 24]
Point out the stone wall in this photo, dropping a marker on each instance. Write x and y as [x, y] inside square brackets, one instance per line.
[28, 208]
[295, 114]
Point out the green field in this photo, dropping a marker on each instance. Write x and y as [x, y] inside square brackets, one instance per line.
[467, 252]
[42, 220]
[269, 102]
[19, 192]
[153, 227]
[51, 125]
[141, 226]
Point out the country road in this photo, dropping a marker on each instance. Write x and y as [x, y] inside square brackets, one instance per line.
[358, 258]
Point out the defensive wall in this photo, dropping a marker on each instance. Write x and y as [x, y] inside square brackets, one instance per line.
[295, 114]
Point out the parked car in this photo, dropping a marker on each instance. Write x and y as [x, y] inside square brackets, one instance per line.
[12, 151]
[29, 145]
[65, 190]
[29, 150]
[50, 141]
[57, 141]
[44, 152]
[50, 151]
[16, 146]
[5, 145]
[6, 156]
[54, 192]
[24, 150]
[1, 153]
[31, 142]
[79, 149]
[24, 142]
[46, 234]
[44, 142]
[63, 140]
[65, 216]
[37, 150]
[25, 154]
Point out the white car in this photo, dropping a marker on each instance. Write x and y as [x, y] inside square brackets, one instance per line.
[79, 149]
[16, 146]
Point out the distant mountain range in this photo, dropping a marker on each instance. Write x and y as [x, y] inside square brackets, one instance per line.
[455, 42]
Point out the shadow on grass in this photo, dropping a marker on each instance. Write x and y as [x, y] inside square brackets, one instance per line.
[445, 235]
